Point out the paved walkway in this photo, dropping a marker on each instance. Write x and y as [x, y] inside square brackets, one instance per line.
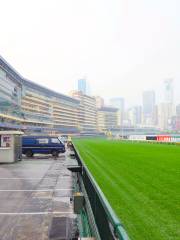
[32, 193]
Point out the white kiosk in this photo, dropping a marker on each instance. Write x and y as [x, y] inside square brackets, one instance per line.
[10, 146]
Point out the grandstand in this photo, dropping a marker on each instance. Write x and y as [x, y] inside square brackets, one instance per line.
[28, 106]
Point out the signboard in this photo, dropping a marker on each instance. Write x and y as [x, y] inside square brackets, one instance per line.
[5, 140]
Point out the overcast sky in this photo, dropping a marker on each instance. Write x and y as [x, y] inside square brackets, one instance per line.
[122, 46]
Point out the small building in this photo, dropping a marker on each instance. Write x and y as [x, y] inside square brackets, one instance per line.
[10, 146]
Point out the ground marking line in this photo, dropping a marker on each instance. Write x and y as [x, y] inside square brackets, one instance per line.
[33, 178]
[33, 213]
[35, 190]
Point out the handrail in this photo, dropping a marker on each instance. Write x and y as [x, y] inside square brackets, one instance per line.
[118, 228]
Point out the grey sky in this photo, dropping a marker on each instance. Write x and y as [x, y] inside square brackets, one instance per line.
[122, 46]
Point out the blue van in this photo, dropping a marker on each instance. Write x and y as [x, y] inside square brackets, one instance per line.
[42, 145]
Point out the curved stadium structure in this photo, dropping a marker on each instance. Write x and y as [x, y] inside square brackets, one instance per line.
[28, 106]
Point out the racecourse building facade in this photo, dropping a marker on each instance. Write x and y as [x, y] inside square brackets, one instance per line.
[107, 118]
[47, 107]
[29, 106]
[87, 111]
[10, 95]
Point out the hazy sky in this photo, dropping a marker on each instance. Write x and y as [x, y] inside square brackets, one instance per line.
[122, 46]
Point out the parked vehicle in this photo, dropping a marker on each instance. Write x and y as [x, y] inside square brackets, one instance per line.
[42, 145]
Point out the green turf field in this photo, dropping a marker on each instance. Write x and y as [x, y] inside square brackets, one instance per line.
[141, 182]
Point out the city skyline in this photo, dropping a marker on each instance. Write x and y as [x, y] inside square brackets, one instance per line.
[160, 95]
[26, 102]
[124, 48]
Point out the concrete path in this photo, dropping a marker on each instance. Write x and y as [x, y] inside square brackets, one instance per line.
[32, 193]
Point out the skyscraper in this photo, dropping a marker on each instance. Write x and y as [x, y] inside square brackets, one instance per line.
[138, 114]
[82, 86]
[167, 109]
[164, 119]
[118, 102]
[148, 107]
[134, 115]
[168, 90]
[169, 97]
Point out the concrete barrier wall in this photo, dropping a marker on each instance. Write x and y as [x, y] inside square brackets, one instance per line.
[6, 155]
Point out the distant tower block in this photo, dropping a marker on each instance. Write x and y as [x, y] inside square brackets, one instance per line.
[168, 90]
[149, 99]
[82, 86]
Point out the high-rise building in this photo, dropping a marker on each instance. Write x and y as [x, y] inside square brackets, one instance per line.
[167, 109]
[134, 115]
[131, 116]
[118, 103]
[168, 90]
[156, 119]
[164, 113]
[148, 107]
[138, 110]
[82, 86]
[87, 112]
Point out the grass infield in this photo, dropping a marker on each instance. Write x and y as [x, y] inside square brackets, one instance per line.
[141, 182]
